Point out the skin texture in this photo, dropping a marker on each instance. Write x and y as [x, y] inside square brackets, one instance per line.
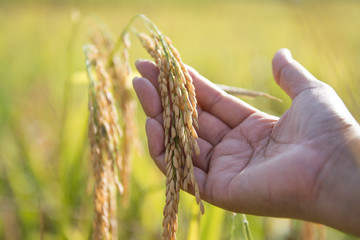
[303, 165]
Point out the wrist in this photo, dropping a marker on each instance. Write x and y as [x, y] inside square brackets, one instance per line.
[337, 201]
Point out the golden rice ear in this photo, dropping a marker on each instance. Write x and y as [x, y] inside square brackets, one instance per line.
[104, 136]
[178, 98]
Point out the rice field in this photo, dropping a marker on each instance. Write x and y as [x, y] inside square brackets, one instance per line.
[46, 183]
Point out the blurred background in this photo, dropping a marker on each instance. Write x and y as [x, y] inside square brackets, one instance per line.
[45, 174]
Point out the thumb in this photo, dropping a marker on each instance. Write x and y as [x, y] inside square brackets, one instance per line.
[291, 75]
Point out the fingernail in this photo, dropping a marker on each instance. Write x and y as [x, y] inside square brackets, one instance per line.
[134, 79]
[138, 61]
[287, 53]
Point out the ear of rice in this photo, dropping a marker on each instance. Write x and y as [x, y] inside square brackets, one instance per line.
[104, 136]
[179, 103]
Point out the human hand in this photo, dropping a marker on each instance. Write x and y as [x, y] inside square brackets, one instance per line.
[300, 166]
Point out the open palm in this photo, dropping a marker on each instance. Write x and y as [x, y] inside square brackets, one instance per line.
[250, 161]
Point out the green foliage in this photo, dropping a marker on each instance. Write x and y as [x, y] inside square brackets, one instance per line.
[45, 174]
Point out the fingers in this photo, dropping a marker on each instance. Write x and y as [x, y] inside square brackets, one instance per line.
[150, 102]
[290, 75]
[227, 108]
[211, 128]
